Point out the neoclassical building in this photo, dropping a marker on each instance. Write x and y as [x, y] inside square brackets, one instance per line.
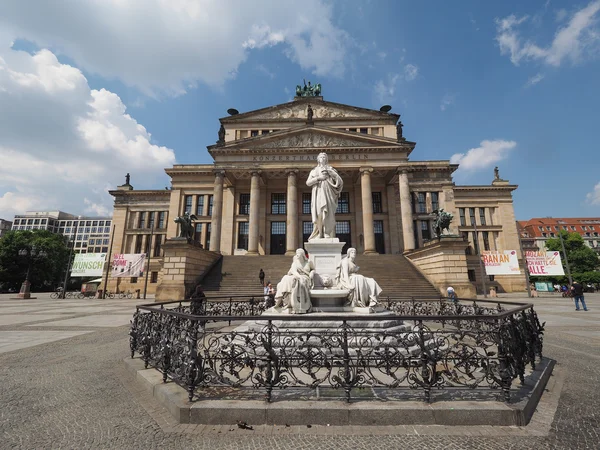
[253, 200]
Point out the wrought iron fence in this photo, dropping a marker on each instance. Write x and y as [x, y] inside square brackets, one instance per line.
[421, 345]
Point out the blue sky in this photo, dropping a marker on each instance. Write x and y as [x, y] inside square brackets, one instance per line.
[136, 85]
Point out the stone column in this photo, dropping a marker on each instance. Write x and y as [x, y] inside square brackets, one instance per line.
[367, 210]
[217, 212]
[406, 211]
[291, 238]
[254, 213]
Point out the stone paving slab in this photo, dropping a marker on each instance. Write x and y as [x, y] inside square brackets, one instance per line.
[16, 340]
[14, 319]
[112, 320]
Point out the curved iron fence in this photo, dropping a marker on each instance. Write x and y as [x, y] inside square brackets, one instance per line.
[425, 345]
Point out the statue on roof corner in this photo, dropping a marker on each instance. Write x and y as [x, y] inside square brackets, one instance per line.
[308, 90]
[221, 140]
[496, 173]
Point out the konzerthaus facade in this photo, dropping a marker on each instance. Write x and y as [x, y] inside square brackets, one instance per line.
[254, 200]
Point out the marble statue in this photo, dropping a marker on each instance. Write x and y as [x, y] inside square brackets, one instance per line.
[293, 291]
[364, 291]
[326, 187]
[309, 114]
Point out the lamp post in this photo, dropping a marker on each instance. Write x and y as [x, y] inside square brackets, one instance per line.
[31, 254]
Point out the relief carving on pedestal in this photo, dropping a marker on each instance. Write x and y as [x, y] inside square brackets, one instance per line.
[299, 111]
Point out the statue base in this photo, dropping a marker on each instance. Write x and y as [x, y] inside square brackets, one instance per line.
[325, 254]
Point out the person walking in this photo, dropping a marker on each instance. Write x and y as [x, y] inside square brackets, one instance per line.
[261, 277]
[577, 289]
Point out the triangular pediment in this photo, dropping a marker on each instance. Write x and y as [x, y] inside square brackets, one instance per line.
[297, 110]
[312, 137]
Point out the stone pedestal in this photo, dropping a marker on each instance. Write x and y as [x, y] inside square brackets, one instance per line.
[325, 254]
[25, 291]
[444, 263]
[185, 262]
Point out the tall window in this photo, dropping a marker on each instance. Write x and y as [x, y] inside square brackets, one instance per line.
[435, 200]
[482, 216]
[472, 216]
[425, 231]
[244, 204]
[461, 213]
[188, 204]
[277, 203]
[161, 219]
[153, 277]
[148, 245]
[379, 240]
[343, 206]
[208, 227]
[138, 243]
[421, 204]
[157, 245]
[200, 206]
[142, 222]
[152, 215]
[210, 205]
[475, 243]
[198, 233]
[243, 228]
[342, 231]
[306, 203]
[468, 250]
[307, 228]
[486, 240]
[377, 206]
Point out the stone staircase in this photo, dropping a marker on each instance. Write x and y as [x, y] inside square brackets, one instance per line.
[238, 275]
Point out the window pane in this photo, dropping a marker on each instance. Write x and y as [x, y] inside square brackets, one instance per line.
[421, 205]
[244, 204]
[461, 212]
[343, 206]
[306, 196]
[482, 216]
[377, 206]
[210, 205]
[472, 215]
[188, 204]
[278, 204]
[200, 205]
[435, 201]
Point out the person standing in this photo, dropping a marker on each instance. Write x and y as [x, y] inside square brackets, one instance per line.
[261, 277]
[577, 289]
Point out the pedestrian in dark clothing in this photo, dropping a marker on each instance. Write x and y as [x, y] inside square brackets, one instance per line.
[261, 277]
[197, 301]
[578, 295]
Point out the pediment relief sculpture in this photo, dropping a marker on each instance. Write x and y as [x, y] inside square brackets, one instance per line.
[299, 111]
[312, 140]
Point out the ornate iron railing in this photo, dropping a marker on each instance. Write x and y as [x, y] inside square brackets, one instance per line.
[422, 345]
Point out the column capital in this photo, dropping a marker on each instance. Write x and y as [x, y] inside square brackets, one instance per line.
[402, 170]
[365, 169]
[255, 172]
[219, 173]
[289, 172]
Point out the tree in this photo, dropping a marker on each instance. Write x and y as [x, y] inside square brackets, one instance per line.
[45, 271]
[581, 257]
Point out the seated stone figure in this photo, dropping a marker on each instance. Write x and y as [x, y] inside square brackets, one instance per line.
[363, 291]
[293, 291]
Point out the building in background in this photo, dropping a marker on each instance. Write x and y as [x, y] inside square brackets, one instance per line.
[254, 199]
[5, 225]
[539, 230]
[90, 234]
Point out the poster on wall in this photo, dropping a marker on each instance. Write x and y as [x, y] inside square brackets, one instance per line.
[501, 262]
[543, 263]
[88, 265]
[128, 265]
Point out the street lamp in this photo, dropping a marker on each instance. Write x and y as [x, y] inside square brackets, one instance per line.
[31, 254]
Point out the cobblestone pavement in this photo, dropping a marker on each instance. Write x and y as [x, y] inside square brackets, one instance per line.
[69, 390]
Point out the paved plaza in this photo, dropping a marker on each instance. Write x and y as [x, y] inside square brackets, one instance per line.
[63, 385]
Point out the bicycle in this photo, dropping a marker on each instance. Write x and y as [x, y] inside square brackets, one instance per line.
[55, 294]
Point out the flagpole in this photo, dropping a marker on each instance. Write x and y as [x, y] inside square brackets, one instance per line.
[112, 239]
[149, 253]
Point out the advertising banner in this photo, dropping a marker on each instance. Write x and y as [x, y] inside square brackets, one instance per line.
[128, 265]
[88, 265]
[501, 262]
[544, 263]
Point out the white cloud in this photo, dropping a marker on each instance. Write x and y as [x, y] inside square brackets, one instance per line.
[62, 143]
[578, 39]
[384, 90]
[487, 154]
[263, 69]
[447, 100]
[410, 72]
[534, 79]
[594, 196]
[169, 45]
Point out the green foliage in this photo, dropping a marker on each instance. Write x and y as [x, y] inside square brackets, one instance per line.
[46, 272]
[581, 258]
